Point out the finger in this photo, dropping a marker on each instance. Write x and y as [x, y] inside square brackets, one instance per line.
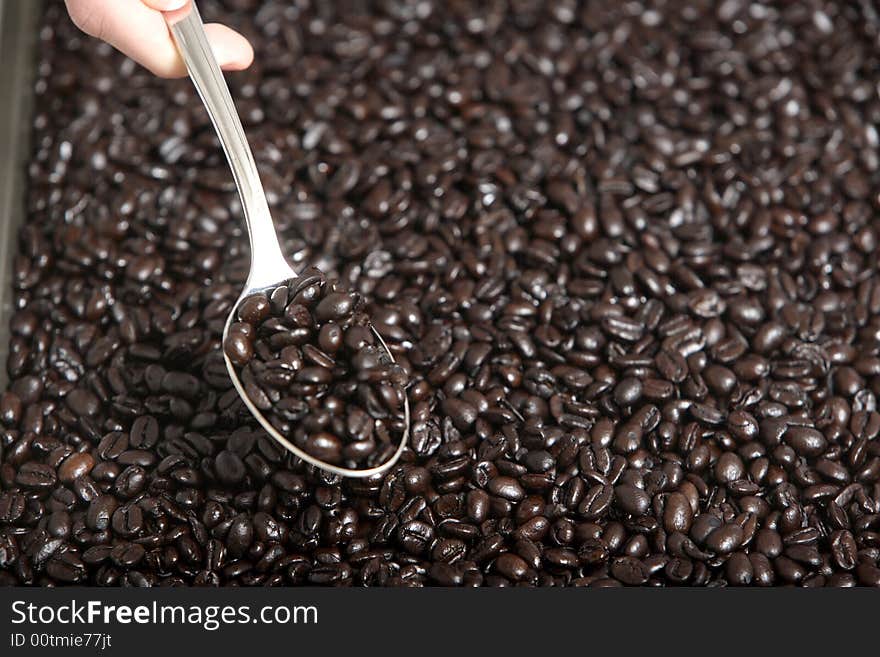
[141, 33]
[232, 50]
[133, 28]
[165, 5]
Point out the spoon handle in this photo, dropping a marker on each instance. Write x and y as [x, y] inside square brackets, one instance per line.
[268, 264]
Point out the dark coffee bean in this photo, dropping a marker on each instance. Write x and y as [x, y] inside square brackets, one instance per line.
[630, 571]
[729, 468]
[127, 555]
[632, 500]
[677, 514]
[82, 402]
[12, 506]
[768, 542]
[239, 537]
[144, 432]
[725, 539]
[230, 468]
[36, 476]
[806, 441]
[788, 570]
[628, 391]
[238, 348]
[415, 536]
[100, 512]
[112, 445]
[739, 569]
[867, 574]
[506, 487]
[511, 566]
[254, 309]
[334, 306]
[75, 465]
[539, 461]
[844, 549]
[623, 328]
[67, 567]
[596, 501]
[128, 521]
[477, 505]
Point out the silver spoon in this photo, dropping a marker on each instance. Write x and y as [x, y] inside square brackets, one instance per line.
[269, 269]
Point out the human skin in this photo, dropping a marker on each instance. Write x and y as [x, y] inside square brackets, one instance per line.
[138, 29]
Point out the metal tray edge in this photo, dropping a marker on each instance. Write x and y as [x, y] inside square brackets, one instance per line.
[18, 38]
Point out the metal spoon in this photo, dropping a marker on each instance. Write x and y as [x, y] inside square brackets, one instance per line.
[269, 269]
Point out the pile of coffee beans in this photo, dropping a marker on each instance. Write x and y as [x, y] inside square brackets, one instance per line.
[308, 359]
[624, 252]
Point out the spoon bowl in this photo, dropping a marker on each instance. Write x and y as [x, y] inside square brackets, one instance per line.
[269, 268]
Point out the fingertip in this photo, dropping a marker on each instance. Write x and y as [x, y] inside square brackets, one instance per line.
[232, 50]
[243, 59]
[165, 5]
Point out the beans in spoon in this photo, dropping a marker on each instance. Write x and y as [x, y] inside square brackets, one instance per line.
[309, 360]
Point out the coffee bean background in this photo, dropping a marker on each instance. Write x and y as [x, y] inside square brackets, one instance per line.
[626, 253]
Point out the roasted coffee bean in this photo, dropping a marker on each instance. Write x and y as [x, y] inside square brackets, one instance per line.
[677, 514]
[229, 468]
[725, 539]
[75, 465]
[507, 488]
[806, 441]
[100, 512]
[511, 566]
[844, 549]
[12, 506]
[630, 571]
[36, 476]
[127, 555]
[67, 568]
[632, 500]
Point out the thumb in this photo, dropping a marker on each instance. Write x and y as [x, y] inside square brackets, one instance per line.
[166, 5]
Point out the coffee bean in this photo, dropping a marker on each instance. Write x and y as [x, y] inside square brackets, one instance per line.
[729, 468]
[74, 466]
[632, 500]
[230, 468]
[127, 555]
[506, 487]
[677, 514]
[36, 476]
[630, 571]
[596, 502]
[806, 441]
[100, 512]
[511, 566]
[725, 539]
[12, 506]
[739, 569]
[238, 348]
[240, 535]
[82, 402]
[868, 575]
[844, 549]
[67, 568]
[254, 309]
[628, 391]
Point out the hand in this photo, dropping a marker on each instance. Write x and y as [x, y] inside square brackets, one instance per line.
[138, 29]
